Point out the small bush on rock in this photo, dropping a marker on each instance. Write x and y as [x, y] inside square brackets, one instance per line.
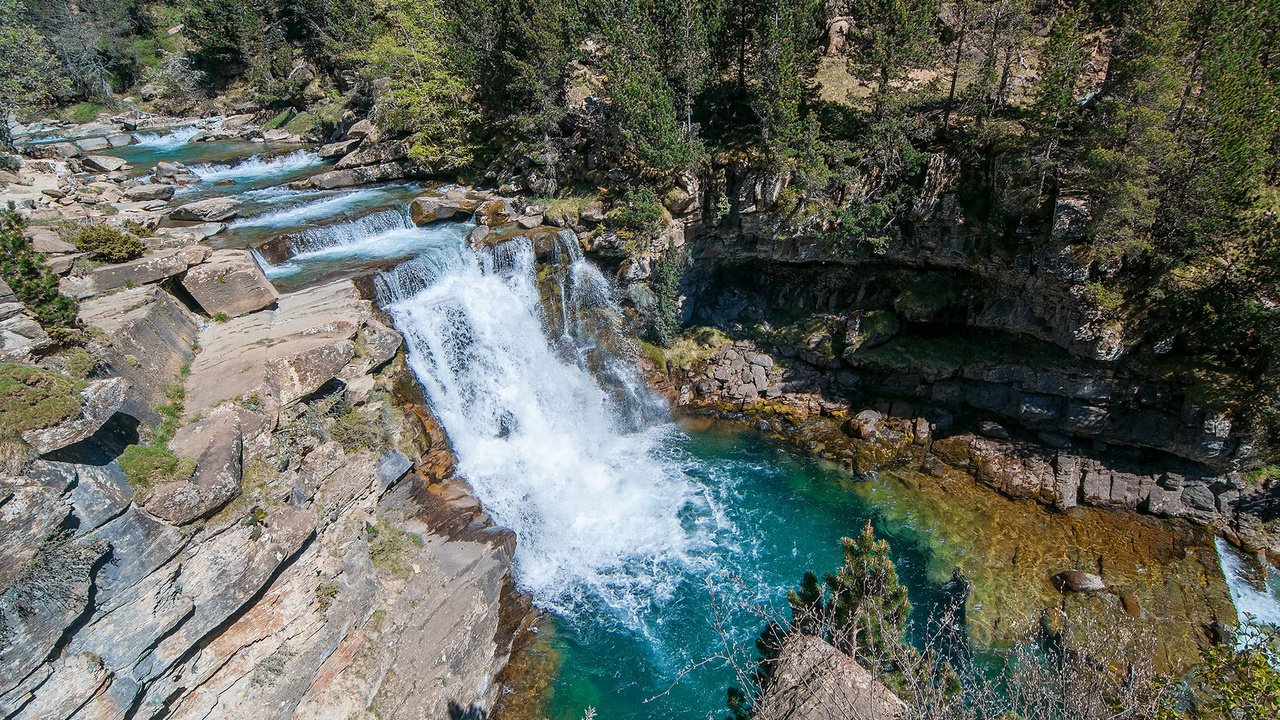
[147, 465]
[24, 271]
[108, 244]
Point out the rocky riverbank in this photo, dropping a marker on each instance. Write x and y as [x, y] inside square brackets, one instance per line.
[246, 508]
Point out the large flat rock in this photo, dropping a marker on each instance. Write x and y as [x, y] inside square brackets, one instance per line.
[211, 210]
[229, 283]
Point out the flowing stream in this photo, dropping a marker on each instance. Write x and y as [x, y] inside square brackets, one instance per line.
[660, 550]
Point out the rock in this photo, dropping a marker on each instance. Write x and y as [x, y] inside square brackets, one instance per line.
[152, 191]
[426, 210]
[94, 144]
[100, 400]
[1077, 581]
[993, 430]
[212, 210]
[361, 130]
[150, 268]
[354, 176]
[812, 680]
[46, 240]
[280, 135]
[216, 443]
[866, 424]
[296, 376]
[476, 238]
[529, 222]
[21, 335]
[374, 154]
[867, 330]
[392, 465]
[230, 282]
[594, 212]
[338, 149]
[167, 169]
[105, 163]
[1070, 219]
[120, 140]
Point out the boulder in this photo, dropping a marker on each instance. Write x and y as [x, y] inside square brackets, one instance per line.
[120, 140]
[211, 210]
[361, 130]
[866, 424]
[1077, 581]
[46, 240]
[426, 210]
[354, 176]
[231, 283]
[152, 191]
[93, 144]
[812, 680]
[296, 376]
[104, 163]
[99, 401]
[338, 149]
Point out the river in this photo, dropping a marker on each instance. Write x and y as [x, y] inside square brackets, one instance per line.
[661, 548]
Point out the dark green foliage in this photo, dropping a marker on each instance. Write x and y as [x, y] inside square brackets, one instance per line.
[108, 244]
[638, 212]
[667, 275]
[24, 271]
[863, 608]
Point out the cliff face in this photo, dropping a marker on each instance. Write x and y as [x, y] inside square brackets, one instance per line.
[321, 560]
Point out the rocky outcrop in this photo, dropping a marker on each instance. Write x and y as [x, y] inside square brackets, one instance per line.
[148, 269]
[99, 401]
[229, 283]
[320, 561]
[812, 680]
[20, 334]
[355, 176]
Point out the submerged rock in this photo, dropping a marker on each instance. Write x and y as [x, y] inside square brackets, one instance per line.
[1077, 581]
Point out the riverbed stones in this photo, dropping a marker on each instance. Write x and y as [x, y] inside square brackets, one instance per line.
[1079, 582]
[217, 209]
[229, 283]
[104, 163]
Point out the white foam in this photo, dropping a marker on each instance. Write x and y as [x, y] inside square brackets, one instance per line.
[173, 138]
[394, 243]
[256, 167]
[601, 511]
[1254, 598]
[297, 214]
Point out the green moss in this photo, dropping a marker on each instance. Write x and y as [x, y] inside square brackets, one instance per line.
[278, 120]
[925, 299]
[655, 354]
[326, 593]
[108, 244]
[146, 465]
[85, 112]
[31, 398]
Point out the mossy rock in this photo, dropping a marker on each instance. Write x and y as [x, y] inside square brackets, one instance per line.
[32, 398]
[869, 329]
[926, 299]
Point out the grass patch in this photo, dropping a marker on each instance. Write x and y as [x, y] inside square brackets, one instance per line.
[145, 466]
[693, 345]
[569, 207]
[388, 545]
[355, 431]
[84, 112]
[279, 120]
[32, 398]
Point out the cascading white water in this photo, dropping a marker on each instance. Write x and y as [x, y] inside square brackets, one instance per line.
[350, 233]
[601, 513]
[257, 167]
[173, 138]
[1255, 594]
[309, 210]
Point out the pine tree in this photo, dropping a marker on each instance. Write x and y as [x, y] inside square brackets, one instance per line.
[896, 35]
[863, 609]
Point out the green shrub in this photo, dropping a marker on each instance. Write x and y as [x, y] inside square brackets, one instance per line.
[10, 162]
[387, 547]
[85, 112]
[147, 465]
[24, 271]
[32, 398]
[639, 211]
[108, 244]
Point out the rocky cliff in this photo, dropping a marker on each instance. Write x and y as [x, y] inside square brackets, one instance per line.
[250, 516]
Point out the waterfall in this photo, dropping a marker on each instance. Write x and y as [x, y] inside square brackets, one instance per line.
[309, 209]
[350, 232]
[580, 471]
[1255, 593]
